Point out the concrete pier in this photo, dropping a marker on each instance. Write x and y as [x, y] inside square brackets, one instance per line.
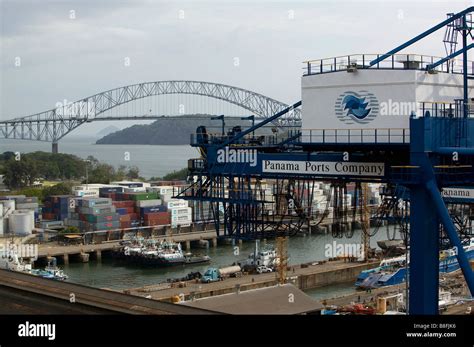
[304, 277]
[66, 258]
[96, 249]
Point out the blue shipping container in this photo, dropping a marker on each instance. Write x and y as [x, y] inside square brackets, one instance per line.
[151, 209]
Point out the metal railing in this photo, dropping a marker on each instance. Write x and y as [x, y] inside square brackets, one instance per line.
[394, 62]
[356, 136]
[444, 109]
[248, 140]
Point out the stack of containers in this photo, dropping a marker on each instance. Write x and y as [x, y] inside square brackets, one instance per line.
[110, 192]
[137, 208]
[181, 214]
[56, 207]
[93, 214]
[148, 207]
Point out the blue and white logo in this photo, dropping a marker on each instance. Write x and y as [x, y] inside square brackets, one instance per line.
[356, 107]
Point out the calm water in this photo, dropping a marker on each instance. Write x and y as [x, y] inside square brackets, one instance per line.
[151, 160]
[301, 249]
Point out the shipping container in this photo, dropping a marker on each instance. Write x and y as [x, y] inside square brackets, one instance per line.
[148, 203]
[125, 203]
[93, 202]
[96, 210]
[161, 208]
[176, 203]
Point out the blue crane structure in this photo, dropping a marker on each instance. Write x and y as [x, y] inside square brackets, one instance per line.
[436, 151]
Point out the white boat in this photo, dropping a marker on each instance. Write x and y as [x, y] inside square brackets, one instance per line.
[266, 256]
[12, 262]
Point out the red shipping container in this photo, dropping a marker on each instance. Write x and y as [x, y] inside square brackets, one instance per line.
[161, 218]
[123, 204]
[125, 218]
[49, 216]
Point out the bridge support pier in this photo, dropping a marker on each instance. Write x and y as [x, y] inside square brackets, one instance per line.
[55, 147]
[98, 255]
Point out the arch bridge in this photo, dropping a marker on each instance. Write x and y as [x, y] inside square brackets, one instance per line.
[52, 125]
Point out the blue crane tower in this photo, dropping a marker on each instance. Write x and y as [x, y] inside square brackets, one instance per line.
[404, 120]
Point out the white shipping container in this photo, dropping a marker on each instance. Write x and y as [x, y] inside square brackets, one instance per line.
[166, 197]
[182, 218]
[27, 206]
[178, 211]
[174, 203]
[148, 203]
[86, 193]
[166, 190]
[134, 189]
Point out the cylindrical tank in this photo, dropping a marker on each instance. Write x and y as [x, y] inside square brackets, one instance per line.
[21, 222]
[8, 207]
[229, 270]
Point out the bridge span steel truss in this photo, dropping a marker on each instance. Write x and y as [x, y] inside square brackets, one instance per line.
[54, 124]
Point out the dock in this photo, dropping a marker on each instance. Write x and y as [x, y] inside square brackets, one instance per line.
[64, 253]
[304, 277]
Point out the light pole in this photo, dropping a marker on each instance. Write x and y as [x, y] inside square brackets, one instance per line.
[252, 118]
[221, 117]
[87, 161]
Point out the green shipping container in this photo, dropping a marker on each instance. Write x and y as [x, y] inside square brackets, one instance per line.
[143, 196]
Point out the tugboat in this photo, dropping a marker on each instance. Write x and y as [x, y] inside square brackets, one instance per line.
[12, 262]
[151, 253]
[266, 257]
[167, 253]
[51, 271]
[196, 259]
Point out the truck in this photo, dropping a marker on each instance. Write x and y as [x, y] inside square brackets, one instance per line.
[213, 274]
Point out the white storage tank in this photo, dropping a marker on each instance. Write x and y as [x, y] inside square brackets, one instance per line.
[8, 207]
[21, 222]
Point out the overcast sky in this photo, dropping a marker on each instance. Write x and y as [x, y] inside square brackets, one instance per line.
[73, 49]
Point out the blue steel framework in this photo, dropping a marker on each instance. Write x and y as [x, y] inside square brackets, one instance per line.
[424, 165]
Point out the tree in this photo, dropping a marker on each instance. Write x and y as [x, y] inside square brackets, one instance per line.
[63, 188]
[102, 173]
[20, 173]
[176, 175]
[71, 230]
[133, 172]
